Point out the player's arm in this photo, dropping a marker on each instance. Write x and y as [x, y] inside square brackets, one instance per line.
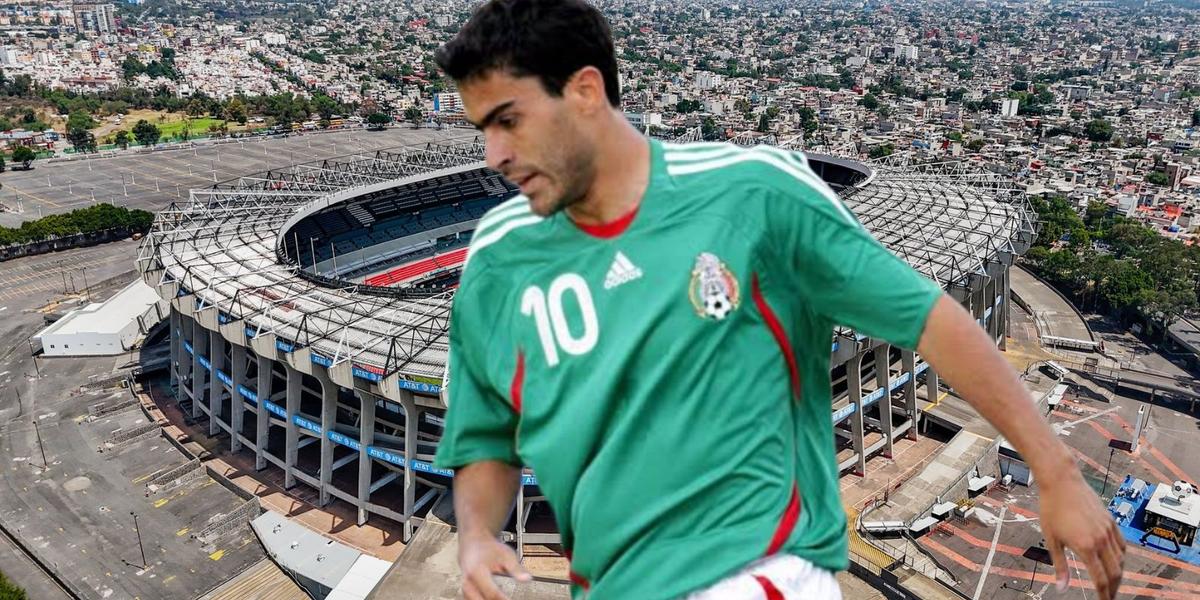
[479, 442]
[483, 495]
[847, 277]
[1071, 515]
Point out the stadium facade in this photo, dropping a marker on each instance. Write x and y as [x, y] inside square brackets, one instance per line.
[310, 305]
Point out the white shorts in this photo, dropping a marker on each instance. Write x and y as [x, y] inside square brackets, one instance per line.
[780, 577]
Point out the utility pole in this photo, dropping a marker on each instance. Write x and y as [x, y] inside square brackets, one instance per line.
[138, 530]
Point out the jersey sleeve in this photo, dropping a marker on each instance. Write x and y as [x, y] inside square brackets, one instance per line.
[844, 274]
[480, 423]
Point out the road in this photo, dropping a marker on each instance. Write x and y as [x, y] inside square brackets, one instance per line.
[1053, 312]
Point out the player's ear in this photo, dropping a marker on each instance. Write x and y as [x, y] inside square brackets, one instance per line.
[585, 89]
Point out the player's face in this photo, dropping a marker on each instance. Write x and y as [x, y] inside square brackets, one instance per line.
[532, 138]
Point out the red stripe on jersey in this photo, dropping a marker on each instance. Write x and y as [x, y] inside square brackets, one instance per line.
[786, 523]
[769, 588]
[611, 229]
[576, 578]
[579, 580]
[776, 328]
[518, 379]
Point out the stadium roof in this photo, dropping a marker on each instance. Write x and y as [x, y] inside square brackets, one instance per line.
[948, 220]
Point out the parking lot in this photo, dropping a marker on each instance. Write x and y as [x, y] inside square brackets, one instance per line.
[151, 180]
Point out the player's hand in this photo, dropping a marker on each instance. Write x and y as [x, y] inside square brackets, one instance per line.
[482, 556]
[1073, 517]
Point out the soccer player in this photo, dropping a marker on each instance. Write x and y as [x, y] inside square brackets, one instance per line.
[647, 326]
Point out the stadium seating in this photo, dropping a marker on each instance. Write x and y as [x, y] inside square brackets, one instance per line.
[420, 268]
[380, 217]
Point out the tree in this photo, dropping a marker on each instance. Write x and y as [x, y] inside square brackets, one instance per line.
[81, 120]
[1098, 130]
[81, 139]
[377, 121]
[976, 145]
[1157, 178]
[10, 591]
[146, 133]
[687, 106]
[1095, 214]
[1196, 118]
[325, 106]
[132, 67]
[235, 110]
[196, 107]
[709, 130]
[808, 121]
[413, 115]
[764, 123]
[121, 138]
[24, 155]
[869, 102]
[882, 151]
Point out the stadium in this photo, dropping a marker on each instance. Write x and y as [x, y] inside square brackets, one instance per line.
[310, 306]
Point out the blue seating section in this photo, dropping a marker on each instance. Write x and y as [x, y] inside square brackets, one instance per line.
[396, 213]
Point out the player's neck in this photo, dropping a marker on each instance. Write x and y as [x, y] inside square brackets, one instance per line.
[622, 176]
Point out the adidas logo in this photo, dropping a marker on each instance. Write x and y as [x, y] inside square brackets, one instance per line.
[621, 271]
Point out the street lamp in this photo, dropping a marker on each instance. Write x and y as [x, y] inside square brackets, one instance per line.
[138, 530]
[1037, 554]
[1104, 489]
[45, 463]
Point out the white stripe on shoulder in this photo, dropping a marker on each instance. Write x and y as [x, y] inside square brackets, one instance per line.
[480, 242]
[770, 157]
[516, 205]
[699, 154]
[679, 153]
[694, 146]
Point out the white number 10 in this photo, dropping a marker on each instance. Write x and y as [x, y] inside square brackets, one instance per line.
[548, 314]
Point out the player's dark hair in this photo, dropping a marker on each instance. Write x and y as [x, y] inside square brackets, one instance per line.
[547, 39]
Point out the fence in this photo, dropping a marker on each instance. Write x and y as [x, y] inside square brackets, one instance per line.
[229, 522]
[173, 478]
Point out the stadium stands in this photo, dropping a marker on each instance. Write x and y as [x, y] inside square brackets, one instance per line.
[396, 213]
[418, 269]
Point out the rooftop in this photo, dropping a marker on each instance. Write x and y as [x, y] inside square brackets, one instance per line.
[1164, 502]
[110, 316]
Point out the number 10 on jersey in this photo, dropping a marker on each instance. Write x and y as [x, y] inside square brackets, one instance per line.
[546, 308]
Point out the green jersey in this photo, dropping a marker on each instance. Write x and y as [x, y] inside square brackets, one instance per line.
[667, 376]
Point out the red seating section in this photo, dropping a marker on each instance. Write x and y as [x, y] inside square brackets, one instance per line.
[421, 267]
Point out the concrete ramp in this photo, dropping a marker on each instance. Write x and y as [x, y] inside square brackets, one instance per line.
[428, 570]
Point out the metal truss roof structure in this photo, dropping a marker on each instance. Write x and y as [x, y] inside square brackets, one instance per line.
[220, 249]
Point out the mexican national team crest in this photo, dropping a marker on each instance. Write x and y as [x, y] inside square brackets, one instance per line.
[714, 288]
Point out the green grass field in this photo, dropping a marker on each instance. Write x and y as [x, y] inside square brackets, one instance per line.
[198, 127]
